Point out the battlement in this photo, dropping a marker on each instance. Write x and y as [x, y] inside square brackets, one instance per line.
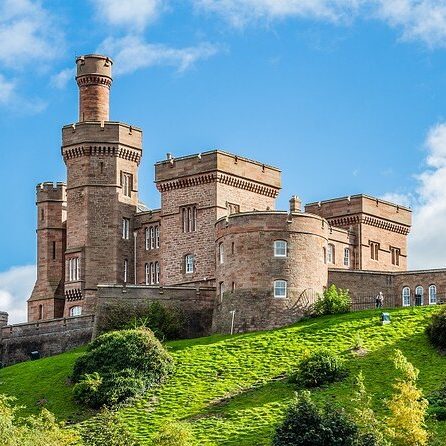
[214, 163]
[49, 191]
[347, 210]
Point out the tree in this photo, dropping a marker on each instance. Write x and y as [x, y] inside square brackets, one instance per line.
[41, 430]
[406, 424]
[334, 301]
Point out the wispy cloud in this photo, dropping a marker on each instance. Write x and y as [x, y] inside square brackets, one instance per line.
[134, 14]
[7, 89]
[417, 20]
[132, 53]
[61, 79]
[16, 285]
[28, 33]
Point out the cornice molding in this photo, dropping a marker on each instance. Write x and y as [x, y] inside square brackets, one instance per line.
[218, 177]
[370, 221]
[91, 79]
[126, 153]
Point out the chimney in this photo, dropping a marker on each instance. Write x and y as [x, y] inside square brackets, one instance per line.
[94, 79]
[295, 204]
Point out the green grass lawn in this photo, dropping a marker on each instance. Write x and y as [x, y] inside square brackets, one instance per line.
[231, 389]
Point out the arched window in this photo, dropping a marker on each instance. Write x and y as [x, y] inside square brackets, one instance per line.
[75, 311]
[406, 296]
[419, 295]
[346, 257]
[147, 273]
[157, 272]
[189, 263]
[280, 288]
[221, 253]
[280, 248]
[331, 254]
[432, 295]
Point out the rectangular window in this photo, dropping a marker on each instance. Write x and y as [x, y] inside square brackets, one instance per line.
[346, 257]
[189, 264]
[157, 236]
[374, 250]
[157, 273]
[221, 290]
[395, 254]
[126, 184]
[126, 228]
[54, 250]
[126, 271]
[74, 269]
[189, 218]
[280, 288]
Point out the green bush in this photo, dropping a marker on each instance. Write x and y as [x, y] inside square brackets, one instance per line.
[436, 330]
[106, 429]
[41, 430]
[334, 301]
[166, 323]
[307, 425]
[319, 368]
[118, 366]
[174, 434]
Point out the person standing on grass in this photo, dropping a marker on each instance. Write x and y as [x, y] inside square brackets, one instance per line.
[379, 300]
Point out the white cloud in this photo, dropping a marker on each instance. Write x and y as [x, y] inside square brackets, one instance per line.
[61, 79]
[134, 14]
[16, 285]
[131, 53]
[406, 200]
[28, 34]
[427, 243]
[417, 20]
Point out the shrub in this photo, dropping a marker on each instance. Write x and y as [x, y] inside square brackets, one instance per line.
[119, 365]
[106, 429]
[306, 425]
[321, 367]
[437, 403]
[174, 434]
[334, 301]
[436, 330]
[166, 323]
[41, 430]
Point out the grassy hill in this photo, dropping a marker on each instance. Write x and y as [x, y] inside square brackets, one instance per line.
[231, 389]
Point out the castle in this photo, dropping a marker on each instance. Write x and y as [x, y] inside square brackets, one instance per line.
[217, 230]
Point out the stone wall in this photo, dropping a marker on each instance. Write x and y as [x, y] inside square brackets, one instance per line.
[46, 337]
[196, 303]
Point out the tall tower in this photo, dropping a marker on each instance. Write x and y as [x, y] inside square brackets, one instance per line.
[102, 159]
[47, 299]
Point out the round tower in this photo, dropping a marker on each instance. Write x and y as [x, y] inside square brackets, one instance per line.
[94, 78]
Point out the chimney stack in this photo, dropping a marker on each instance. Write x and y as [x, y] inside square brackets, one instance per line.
[94, 78]
[295, 204]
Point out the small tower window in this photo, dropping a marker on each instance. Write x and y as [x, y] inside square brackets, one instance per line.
[221, 253]
[189, 217]
[76, 311]
[126, 228]
[280, 288]
[126, 271]
[126, 184]
[331, 254]
[346, 257]
[40, 315]
[189, 263]
[374, 251]
[395, 254]
[157, 273]
[280, 248]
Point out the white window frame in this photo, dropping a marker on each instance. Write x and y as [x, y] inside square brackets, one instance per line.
[405, 294]
[147, 237]
[157, 236]
[280, 289]
[417, 293]
[126, 270]
[331, 254]
[152, 237]
[157, 273]
[75, 311]
[126, 228]
[127, 179]
[347, 257]
[221, 253]
[74, 269]
[280, 248]
[189, 264]
[147, 273]
[152, 273]
[221, 290]
[432, 294]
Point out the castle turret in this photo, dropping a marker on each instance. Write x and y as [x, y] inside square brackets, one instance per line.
[102, 159]
[94, 80]
[3, 319]
[47, 299]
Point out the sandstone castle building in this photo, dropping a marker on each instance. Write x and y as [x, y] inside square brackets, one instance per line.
[217, 230]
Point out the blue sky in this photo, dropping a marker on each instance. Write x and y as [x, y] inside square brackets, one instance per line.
[345, 96]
